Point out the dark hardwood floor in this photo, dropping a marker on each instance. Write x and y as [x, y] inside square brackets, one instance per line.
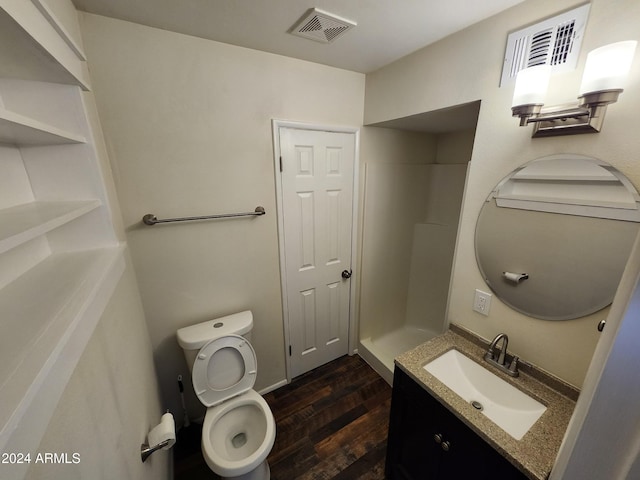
[331, 424]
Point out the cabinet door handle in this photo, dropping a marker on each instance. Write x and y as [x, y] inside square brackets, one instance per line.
[437, 438]
[446, 446]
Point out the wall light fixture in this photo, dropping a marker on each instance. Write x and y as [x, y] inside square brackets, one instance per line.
[602, 82]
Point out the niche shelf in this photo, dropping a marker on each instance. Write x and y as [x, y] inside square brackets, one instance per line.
[60, 258]
[16, 129]
[37, 46]
[26, 222]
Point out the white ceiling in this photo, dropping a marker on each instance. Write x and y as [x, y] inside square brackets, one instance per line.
[387, 29]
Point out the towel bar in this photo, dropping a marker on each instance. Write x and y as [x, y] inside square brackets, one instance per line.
[151, 219]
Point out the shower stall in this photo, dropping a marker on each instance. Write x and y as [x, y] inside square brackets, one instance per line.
[413, 185]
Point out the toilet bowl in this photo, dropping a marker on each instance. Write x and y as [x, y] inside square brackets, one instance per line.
[237, 436]
[239, 429]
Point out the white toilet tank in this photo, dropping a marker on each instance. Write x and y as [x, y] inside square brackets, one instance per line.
[194, 337]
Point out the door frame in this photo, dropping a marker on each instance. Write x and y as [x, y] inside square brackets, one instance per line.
[353, 303]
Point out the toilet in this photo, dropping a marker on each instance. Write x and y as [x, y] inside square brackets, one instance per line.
[239, 429]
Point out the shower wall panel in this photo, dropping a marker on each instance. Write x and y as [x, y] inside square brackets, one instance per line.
[410, 223]
[395, 201]
[431, 259]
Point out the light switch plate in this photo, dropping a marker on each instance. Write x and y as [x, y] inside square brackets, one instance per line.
[482, 302]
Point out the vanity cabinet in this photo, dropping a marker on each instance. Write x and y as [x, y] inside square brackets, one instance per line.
[426, 441]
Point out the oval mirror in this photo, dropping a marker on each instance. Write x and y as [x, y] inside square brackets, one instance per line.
[554, 236]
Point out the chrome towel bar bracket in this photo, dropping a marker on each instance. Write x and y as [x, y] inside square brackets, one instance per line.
[151, 219]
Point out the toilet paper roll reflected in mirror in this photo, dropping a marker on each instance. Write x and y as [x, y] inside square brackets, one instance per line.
[515, 277]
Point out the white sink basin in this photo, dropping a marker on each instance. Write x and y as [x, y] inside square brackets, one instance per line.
[512, 410]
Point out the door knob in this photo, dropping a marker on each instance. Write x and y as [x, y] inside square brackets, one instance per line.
[346, 274]
[446, 446]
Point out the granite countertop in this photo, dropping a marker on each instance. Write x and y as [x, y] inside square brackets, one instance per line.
[535, 453]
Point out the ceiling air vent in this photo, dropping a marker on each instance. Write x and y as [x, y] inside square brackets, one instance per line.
[555, 41]
[321, 26]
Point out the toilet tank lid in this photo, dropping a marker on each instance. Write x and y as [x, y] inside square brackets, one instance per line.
[195, 337]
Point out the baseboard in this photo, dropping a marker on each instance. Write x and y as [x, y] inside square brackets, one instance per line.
[273, 387]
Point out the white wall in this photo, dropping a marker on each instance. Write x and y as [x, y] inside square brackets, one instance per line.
[112, 398]
[111, 401]
[466, 67]
[188, 126]
[603, 438]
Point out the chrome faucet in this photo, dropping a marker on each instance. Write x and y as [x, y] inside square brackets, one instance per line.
[500, 362]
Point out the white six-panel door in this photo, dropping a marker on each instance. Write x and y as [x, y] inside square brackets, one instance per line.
[317, 209]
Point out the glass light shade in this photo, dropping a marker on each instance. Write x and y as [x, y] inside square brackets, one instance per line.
[607, 67]
[531, 85]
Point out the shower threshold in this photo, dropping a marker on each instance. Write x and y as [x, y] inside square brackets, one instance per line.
[380, 351]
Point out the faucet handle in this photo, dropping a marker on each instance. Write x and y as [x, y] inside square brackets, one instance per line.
[513, 367]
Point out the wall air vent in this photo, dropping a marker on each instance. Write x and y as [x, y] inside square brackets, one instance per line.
[321, 26]
[555, 41]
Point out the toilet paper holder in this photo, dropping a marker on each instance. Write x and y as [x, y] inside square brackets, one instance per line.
[515, 278]
[146, 450]
[162, 436]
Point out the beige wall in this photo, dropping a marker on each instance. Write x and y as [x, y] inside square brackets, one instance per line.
[188, 127]
[466, 67]
[187, 123]
[111, 401]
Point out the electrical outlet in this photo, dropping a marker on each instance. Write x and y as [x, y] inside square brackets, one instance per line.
[482, 302]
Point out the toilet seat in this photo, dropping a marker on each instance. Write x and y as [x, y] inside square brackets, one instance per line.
[224, 368]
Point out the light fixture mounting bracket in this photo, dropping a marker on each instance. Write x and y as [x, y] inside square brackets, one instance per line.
[585, 117]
